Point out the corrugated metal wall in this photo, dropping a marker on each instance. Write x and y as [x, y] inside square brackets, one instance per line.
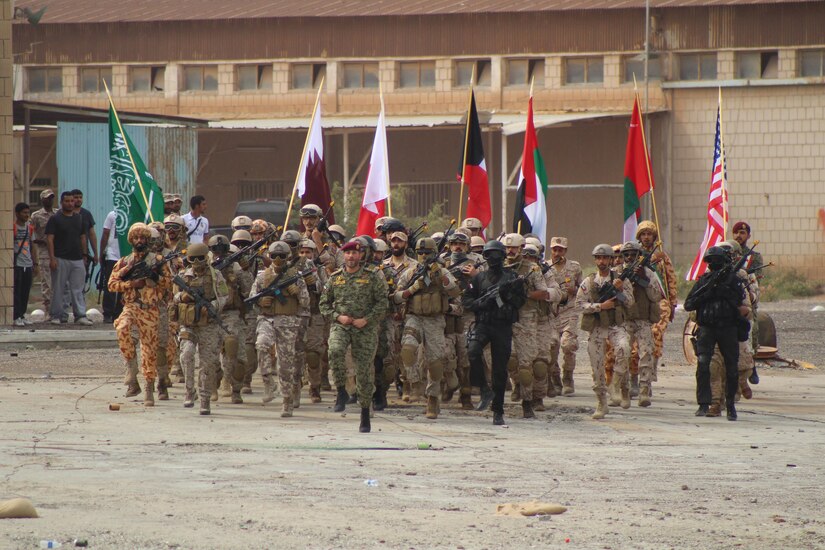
[171, 155]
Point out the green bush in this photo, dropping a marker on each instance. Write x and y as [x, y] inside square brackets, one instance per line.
[785, 283]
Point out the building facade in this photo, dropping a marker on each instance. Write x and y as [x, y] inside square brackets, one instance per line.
[253, 72]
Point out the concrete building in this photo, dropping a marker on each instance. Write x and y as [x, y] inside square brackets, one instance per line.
[252, 69]
[7, 196]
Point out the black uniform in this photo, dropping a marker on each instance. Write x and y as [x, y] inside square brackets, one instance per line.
[493, 325]
[719, 320]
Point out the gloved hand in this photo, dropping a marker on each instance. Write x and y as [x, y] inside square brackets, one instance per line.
[293, 289]
[435, 268]
[186, 298]
[416, 286]
[311, 279]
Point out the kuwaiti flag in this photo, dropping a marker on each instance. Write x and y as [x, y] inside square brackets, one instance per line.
[473, 170]
[638, 175]
[377, 189]
[531, 198]
[313, 187]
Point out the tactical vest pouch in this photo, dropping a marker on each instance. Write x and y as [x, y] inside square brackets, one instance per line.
[290, 307]
[186, 316]
[450, 325]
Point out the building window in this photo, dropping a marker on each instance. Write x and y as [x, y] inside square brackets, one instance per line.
[584, 70]
[754, 65]
[200, 78]
[44, 80]
[416, 74]
[812, 63]
[464, 72]
[360, 75]
[523, 72]
[91, 79]
[307, 76]
[697, 66]
[634, 66]
[254, 77]
[146, 79]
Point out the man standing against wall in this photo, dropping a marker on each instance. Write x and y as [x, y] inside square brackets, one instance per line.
[197, 226]
[39, 220]
[66, 240]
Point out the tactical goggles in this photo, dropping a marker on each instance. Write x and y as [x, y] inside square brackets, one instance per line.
[197, 258]
[279, 256]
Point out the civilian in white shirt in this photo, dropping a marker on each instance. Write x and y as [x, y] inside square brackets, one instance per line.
[197, 226]
[109, 245]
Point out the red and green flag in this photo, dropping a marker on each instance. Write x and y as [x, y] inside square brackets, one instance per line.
[530, 214]
[638, 175]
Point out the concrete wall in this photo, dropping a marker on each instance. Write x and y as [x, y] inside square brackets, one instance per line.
[6, 182]
[775, 152]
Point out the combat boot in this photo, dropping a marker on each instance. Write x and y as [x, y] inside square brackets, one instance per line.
[515, 395]
[132, 386]
[601, 408]
[214, 395]
[731, 409]
[538, 405]
[226, 387]
[406, 389]
[486, 399]
[236, 398]
[314, 394]
[701, 411]
[364, 428]
[341, 400]
[527, 409]
[615, 391]
[746, 390]
[189, 400]
[644, 395]
[416, 391]
[286, 410]
[714, 410]
[163, 392]
[625, 403]
[296, 398]
[568, 389]
[379, 398]
[205, 410]
[555, 380]
[551, 391]
[498, 419]
[466, 402]
[269, 389]
[133, 389]
[432, 407]
[634, 385]
[149, 398]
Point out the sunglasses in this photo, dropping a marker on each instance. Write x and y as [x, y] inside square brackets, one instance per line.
[197, 258]
[279, 256]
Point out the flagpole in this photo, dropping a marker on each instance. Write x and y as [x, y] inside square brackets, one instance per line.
[466, 142]
[386, 156]
[647, 164]
[724, 174]
[304, 152]
[129, 152]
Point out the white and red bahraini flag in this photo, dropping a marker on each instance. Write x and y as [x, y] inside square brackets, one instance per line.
[377, 190]
[717, 205]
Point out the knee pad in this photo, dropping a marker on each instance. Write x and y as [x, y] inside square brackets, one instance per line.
[230, 346]
[409, 355]
[525, 377]
[540, 368]
[512, 365]
[436, 370]
[313, 359]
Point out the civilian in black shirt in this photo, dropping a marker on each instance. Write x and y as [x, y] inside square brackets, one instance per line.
[88, 223]
[67, 242]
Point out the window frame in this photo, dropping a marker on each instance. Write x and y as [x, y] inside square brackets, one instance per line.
[699, 56]
[317, 69]
[764, 60]
[419, 65]
[821, 53]
[363, 80]
[480, 65]
[628, 79]
[46, 79]
[260, 77]
[202, 89]
[154, 72]
[587, 62]
[533, 64]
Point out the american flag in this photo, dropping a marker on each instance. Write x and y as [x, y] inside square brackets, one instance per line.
[717, 204]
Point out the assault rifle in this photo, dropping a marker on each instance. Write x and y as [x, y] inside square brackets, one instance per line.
[545, 267]
[757, 268]
[417, 233]
[608, 291]
[200, 302]
[242, 254]
[458, 268]
[323, 226]
[726, 273]
[423, 270]
[494, 293]
[276, 287]
[142, 270]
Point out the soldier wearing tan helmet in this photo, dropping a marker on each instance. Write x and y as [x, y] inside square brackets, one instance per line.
[248, 264]
[142, 299]
[241, 222]
[529, 377]
[317, 329]
[474, 225]
[604, 321]
[279, 326]
[565, 340]
[167, 330]
[175, 232]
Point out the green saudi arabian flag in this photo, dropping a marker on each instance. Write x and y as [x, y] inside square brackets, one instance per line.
[136, 195]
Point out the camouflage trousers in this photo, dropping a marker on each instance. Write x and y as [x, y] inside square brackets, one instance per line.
[456, 355]
[362, 344]
[316, 343]
[386, 337]
[250, 335]
[168, 354]
[546, 336]
[525, 351]
[45, 279]
[717, 371]
[276, 340]
[233, 354]
[641, 336]
[301, 350]
[145, 321]
[205, 342]
[566, 341]
[658, 334]
[596, 347]
[427, 332]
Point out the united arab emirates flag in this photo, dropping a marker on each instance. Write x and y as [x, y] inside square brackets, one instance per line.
[530, 214]
[136, 196]
[638, 175]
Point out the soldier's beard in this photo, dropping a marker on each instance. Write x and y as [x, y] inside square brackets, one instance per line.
[398, 252]
[140, 247]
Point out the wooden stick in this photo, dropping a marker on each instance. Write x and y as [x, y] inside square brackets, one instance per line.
[466, 142]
